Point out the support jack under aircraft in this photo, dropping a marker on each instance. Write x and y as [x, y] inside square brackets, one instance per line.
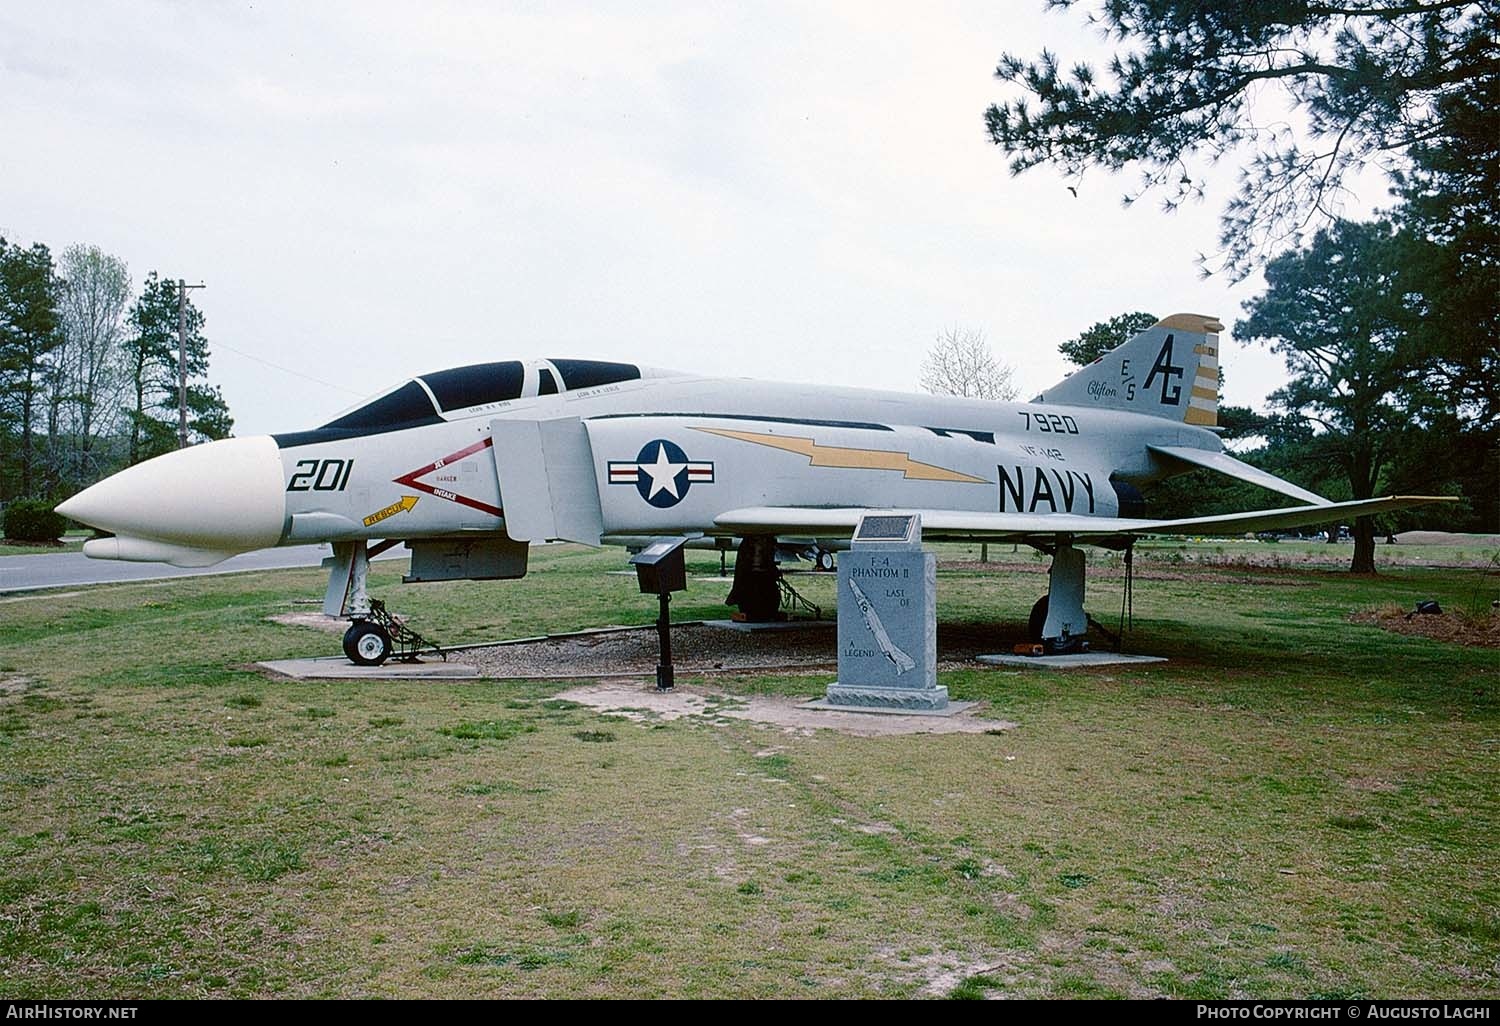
[470, 466]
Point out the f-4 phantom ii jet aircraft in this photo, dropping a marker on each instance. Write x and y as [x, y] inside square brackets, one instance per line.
[469, 466]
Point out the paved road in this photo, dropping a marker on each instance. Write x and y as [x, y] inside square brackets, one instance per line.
[69, 569]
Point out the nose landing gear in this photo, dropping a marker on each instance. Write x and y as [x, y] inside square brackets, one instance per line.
[366, 643]
[375, 633]
[372, 638]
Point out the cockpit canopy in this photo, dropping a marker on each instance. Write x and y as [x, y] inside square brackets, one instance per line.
[428, 398]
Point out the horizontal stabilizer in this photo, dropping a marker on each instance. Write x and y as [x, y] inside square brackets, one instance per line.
[940, 523]
[1227, 464]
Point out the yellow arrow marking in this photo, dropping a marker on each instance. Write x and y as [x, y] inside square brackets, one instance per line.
[850, 459]
[405, 503]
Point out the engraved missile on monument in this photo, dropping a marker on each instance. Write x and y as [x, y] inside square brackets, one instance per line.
[900, 659]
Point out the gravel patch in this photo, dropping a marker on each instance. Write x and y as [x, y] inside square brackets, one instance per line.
[699, 649]
[695, 649]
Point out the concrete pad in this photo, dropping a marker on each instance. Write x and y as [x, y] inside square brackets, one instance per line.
[775, 625]
[1068, 662]
[339, 668]
[951, 709]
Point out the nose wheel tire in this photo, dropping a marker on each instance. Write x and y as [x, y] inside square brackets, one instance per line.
[367, 644]
[825, 560]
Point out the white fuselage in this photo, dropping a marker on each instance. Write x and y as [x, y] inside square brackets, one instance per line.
[737, 443]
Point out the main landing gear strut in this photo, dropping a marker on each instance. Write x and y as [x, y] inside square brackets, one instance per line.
[760, 589]
[1058, 620]
[757, 581]
[374, 632]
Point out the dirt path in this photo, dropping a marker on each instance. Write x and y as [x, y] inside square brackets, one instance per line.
[642, 702]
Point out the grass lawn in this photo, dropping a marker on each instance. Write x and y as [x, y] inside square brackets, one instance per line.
[1293, 806]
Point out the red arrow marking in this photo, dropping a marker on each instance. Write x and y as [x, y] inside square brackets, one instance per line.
[410, 480]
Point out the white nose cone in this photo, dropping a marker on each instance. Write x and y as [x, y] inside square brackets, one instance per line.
[226, 496]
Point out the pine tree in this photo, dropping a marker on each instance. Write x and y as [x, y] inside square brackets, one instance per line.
[151, 352]
[28, 335]
[1370, 82]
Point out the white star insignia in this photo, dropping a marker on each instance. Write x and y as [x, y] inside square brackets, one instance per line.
[663, 474]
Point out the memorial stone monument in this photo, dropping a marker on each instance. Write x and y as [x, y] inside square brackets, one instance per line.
[888, 619]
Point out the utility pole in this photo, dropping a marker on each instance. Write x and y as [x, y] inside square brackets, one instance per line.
[182, 287]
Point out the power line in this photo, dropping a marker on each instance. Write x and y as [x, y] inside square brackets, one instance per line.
[287, 370]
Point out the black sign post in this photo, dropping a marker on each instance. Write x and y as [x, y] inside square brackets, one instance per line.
[660, 569]
[664, 679]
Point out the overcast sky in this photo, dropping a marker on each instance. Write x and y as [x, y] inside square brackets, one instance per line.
[369, 191]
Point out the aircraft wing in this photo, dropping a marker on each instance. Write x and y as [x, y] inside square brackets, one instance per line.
[963, 524]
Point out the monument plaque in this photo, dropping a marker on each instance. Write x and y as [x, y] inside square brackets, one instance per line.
[888, 619]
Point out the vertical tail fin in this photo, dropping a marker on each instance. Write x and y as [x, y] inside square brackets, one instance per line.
[1169, 370]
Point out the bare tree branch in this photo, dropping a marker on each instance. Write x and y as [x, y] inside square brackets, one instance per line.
[961, 363]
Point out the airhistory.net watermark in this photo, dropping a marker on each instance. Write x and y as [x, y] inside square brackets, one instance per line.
[48, 1011]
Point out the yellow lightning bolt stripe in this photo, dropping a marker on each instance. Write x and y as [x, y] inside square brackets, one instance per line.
[405, 503]
[849, 459]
